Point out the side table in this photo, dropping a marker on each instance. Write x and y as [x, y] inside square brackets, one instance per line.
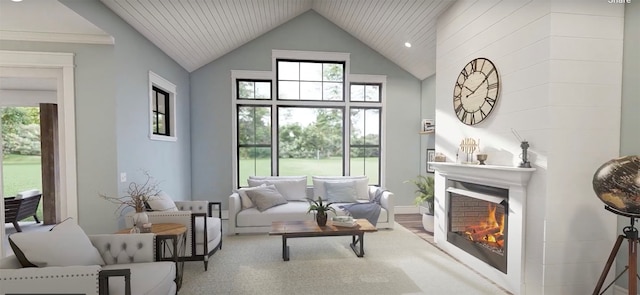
[171, 241]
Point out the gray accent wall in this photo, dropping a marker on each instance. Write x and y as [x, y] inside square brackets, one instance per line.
[630, 121]
[211, 104]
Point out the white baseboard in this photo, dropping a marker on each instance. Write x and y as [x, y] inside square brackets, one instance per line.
[406, 209]
[617, 290]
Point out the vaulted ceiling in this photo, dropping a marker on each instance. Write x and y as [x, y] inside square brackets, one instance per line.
[197, 32]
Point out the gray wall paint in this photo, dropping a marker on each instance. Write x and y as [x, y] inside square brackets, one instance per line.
[95, 128]
[428, 111]
[112, 116]
[168, 162]
[211, 104]
[629, 138]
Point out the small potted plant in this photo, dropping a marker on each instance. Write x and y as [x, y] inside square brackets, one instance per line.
[425, 197]
[321, 210]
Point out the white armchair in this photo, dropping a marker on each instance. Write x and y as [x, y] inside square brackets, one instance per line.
[129, 269]
[201, 227]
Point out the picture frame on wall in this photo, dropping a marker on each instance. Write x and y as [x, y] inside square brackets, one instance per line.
[428, 126]
[431, 156]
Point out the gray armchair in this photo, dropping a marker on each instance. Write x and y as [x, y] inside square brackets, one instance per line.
[204, 231]
[129, 269]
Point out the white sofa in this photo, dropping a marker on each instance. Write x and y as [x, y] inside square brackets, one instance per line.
[69, 268]
[252, 220]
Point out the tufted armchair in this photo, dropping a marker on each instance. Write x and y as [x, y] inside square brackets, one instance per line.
[197, 217]
[128, 268]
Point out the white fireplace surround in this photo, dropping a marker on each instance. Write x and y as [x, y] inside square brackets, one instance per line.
[511, 178]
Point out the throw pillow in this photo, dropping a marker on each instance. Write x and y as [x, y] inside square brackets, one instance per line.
[65, 245]
[161, 202]
[292, 188]
[245, 202]
[266, 197]
[341, 192]
[361, 185]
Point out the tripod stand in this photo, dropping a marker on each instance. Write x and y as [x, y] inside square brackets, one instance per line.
[631, 234]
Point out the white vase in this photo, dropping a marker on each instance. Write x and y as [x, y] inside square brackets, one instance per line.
[427, 222]
[140, 218]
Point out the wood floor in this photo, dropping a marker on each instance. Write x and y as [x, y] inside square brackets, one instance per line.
[413, 222]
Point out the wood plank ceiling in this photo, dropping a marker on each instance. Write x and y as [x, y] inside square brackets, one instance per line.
[196, 32]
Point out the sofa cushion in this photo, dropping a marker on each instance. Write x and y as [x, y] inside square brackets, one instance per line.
[361, 185]
[266, 197]
[343, 192]
[65, 245]
[162, 202]
[146, 278]
[26, 194]
[244, 199]
[293, 188]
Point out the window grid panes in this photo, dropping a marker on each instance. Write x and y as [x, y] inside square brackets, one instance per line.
[310, 80]
[311, 128]
[365, 143]
[161, 124]
[254, 141]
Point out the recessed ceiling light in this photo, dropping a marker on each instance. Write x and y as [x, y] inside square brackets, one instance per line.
[16, 0]
[407, 44]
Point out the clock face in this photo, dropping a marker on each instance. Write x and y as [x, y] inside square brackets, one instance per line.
[476, 91]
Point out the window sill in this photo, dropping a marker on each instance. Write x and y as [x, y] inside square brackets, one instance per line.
[163, 138]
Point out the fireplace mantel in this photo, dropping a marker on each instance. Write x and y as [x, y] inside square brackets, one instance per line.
[500, 176]
[515, 180]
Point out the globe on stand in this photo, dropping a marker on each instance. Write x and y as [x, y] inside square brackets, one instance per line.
[617, 184]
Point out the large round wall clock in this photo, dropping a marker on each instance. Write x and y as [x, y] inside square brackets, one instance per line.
[476, 91]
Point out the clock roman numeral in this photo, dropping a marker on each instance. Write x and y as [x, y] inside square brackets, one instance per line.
[492, 86]
[464, 117]
[491, 71]
[474, 64]
[482, 114]
[458, 110]
[490, 101]
[472, 118]
[464, 73]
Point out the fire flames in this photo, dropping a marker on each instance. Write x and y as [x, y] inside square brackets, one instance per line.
[490, 231]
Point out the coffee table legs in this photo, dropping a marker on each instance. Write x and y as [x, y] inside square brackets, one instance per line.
[285, 249]
[355, 240]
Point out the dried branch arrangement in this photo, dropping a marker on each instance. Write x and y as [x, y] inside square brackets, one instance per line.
[137, 194]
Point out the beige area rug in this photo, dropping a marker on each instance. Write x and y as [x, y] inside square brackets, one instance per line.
[395, 262]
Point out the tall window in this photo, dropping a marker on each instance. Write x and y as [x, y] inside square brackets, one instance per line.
[313, 122]
[161, 118]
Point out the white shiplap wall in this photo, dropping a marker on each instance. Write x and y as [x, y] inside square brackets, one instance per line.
[560, 64]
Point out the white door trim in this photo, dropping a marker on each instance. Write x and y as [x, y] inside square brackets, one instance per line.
[63, 62]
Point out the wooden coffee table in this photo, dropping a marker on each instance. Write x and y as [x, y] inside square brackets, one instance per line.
[309, 228]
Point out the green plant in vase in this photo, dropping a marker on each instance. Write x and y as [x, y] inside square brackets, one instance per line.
[320, 210]
[424, 191]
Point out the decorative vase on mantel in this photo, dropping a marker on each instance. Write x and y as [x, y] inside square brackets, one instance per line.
[321, 218]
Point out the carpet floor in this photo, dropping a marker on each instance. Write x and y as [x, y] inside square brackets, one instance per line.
[395, 262]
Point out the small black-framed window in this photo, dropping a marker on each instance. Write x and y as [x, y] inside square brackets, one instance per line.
[253, 89]
[161, 112]
[366, 92]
